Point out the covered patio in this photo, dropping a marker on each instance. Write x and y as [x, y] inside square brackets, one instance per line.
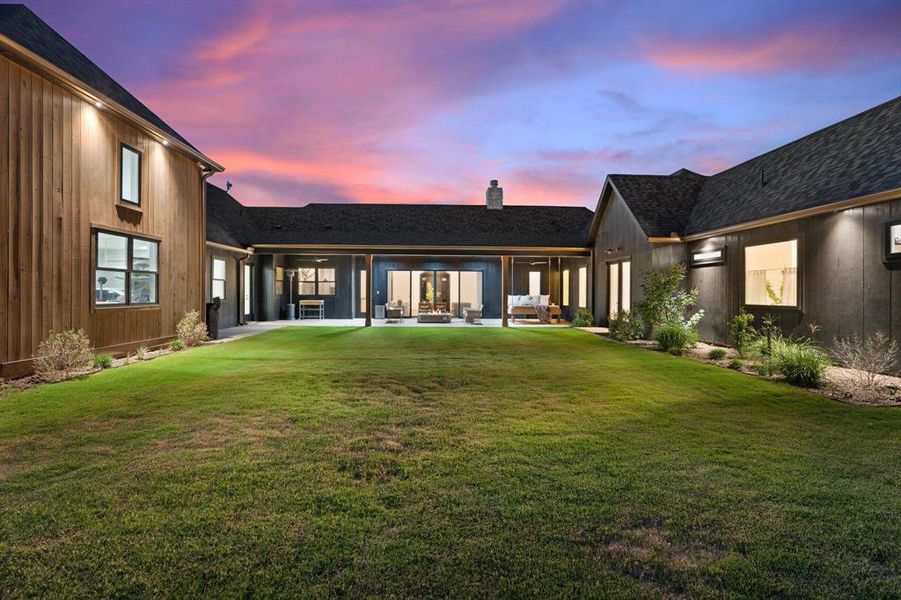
[406, 287]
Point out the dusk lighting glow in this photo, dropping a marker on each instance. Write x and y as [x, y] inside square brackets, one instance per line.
[426, 102]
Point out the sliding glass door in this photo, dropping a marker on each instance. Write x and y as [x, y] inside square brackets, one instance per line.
[425, 291]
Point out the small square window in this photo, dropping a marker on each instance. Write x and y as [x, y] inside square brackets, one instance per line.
[130, 175]
[892, 235]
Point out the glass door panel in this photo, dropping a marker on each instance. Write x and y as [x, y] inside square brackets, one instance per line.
[423, 282]
[613, 289]
[625, 285]
[470, 290]
[399, 290]
[248, 282]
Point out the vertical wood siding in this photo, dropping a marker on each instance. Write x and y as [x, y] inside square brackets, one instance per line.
[59, 178]
[844, 287]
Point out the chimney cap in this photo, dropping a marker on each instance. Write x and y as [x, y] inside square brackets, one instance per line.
[493, 183]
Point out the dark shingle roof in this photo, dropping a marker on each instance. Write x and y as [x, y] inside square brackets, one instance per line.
[25, 28]
[855, 157]
[660, 203]
[228, 222]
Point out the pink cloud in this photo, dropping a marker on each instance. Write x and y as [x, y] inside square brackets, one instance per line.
[324, 96]
[818, 45]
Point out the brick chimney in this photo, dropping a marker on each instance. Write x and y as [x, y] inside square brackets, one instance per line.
[494, 196]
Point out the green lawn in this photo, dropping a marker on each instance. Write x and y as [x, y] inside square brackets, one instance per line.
[458, 462]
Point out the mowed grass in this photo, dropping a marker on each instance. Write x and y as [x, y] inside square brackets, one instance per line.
[443, 462]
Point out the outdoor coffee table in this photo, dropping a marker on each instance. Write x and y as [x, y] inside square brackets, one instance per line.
[437, 317]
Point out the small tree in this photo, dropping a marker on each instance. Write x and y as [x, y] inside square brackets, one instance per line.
[664, 299]
[63, 354]
[191, 330]
[871, 356]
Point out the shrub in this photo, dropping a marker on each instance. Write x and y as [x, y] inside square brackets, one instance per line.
[103, 361]
[736, 364]
[870, 356]
[716, 354]
[191, 330]
[664, 299]
[141, 352]
[176, 345]
[626, 325]
[675, 337]
[742, 329]
[63, 354]
[583, 318]
[801, 363]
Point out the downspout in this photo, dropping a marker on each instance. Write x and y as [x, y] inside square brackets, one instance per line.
[242, 292]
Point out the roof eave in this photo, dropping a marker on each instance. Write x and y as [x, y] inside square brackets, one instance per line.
[875, 198]
[33, 61]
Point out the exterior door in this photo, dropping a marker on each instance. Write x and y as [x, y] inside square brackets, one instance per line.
[619, 287]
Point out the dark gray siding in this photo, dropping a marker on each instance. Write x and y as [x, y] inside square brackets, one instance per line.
[340, 305]
[233, 302]
[844, 286]
[619, 237]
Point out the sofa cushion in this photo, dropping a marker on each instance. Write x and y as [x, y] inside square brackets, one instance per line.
[544, 299]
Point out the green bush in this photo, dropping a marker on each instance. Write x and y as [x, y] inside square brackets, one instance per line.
[63, 354]
[743, 332]
[103, 361]
[664, 299]
[176, 345]
[583, 318]
[716, 354]
[626, 325]
[675, 337]
[142, 352]
[801, 363]
[736, 364]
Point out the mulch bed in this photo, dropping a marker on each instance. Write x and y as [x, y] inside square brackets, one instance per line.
[840, 383]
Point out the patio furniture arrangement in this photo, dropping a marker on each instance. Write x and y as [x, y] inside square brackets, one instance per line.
[473, 315]
[314, 309]
[434, 317]
[533, 306]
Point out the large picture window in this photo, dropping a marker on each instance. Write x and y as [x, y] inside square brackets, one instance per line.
[771, 274]
[316, 281]
[130, 175]
[126, 271]
[217, 288]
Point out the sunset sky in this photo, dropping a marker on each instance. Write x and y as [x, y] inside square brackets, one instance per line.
[427, 101]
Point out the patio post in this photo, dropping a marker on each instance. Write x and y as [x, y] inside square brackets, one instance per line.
[505, 288]
[369, 279]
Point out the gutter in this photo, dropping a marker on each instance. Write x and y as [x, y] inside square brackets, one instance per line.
[875, 198]
[246, 251]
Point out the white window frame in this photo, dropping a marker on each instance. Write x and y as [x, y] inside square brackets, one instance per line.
[797, 273]
[214, 279]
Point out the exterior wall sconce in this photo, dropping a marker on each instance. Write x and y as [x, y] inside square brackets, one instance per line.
[891, 243]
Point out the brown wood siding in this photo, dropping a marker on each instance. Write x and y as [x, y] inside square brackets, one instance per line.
[59, 180]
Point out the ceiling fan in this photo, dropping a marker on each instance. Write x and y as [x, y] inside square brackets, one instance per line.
[538, 262]
[315, 260]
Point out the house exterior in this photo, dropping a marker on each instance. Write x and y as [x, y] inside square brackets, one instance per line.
[109, 226]
[357, 258]
[101, 203]
[809, 232]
